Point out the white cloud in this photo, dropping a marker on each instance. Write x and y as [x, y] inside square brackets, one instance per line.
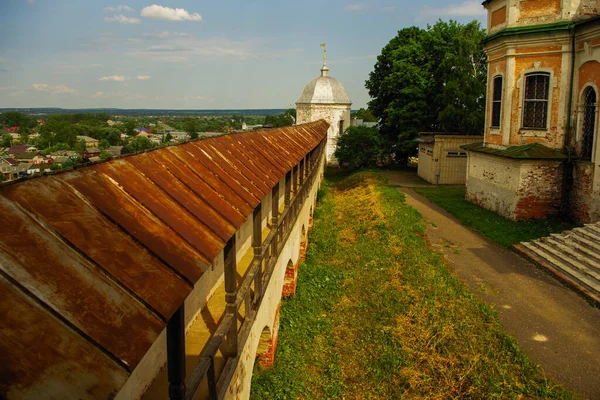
[166, 34]
[120, 8]
[354, 7]
[122, 19]
[115, 78]
[179, 49]
[465, 9]
[143, 77]
[170, 14]
[54, 89]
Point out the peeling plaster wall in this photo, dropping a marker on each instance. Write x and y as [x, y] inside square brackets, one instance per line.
[515, 189]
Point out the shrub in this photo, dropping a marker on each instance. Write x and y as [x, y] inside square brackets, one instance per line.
[359, 147]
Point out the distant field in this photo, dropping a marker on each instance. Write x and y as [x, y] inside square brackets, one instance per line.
[378, 314]
[148, 112]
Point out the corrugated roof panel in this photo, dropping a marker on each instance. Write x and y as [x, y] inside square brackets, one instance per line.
[254, 162]
[72, 286]
[158, 237]
[211, 178]
[234, 169]
[255, 183]
[42, 358]
[198, 186]
[223, 172]
[184, 196]
[111, 248]
[160, 204]
[275, 165]
[94, 261]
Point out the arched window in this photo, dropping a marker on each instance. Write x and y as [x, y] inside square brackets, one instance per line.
[589, 123]
[535, 102]
[497, 102]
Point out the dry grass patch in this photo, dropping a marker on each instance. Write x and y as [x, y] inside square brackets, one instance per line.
[378, 315]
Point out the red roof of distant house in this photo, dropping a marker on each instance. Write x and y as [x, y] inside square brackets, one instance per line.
[12, 129]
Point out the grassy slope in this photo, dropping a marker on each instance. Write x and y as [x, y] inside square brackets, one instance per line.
[490, 224]
[378, 315]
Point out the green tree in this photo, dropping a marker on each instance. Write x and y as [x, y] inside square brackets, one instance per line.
[130, 126]
[140, 143]
[429, 80]
[359, 147]
[288, 118]
[16, 118]
[103, 144]
[110, 134]
[6, 140]
[191, 127]
[366, 115]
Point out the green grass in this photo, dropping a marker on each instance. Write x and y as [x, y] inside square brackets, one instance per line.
[378, 315]
[492, 225]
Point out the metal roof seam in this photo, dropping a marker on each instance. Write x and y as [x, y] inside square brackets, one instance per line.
[127, 233]
[26, 292]
[218, 192]
[275, 169]
[183, 207]
[252, 203]
[201, 195]
[148, 210]
[90, 260]
[235, 167]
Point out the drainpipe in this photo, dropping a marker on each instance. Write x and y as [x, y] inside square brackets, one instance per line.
[568, 168]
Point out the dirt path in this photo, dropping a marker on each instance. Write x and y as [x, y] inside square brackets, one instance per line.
[554, 326]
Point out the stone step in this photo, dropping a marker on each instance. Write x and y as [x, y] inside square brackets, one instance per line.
[589, 234]
[582, 241]
[588, 248]
[574, 257]
[562, 271]
[593, 227]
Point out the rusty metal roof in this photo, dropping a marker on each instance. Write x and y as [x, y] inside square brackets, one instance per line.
[94, 261]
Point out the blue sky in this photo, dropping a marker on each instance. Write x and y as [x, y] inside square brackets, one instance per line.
[197, 54]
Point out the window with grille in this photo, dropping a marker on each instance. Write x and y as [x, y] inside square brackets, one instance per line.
[535, 103]
[497, 102]
[589, 121]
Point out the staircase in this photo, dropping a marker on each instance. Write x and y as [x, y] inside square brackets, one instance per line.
[573, 256]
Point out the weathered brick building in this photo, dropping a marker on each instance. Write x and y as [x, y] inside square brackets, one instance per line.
[539, 156]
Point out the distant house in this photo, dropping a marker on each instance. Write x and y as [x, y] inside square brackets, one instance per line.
[21, 149]
[90, 152]
[12, 129]
[441, 160]
[9, 167]
[89, 141]
[116, 151]
[140, 130]
[35, 158]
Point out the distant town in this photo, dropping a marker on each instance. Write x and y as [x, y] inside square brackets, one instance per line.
[35, 141]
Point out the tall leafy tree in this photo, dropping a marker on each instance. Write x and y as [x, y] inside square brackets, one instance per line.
[429, 80]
